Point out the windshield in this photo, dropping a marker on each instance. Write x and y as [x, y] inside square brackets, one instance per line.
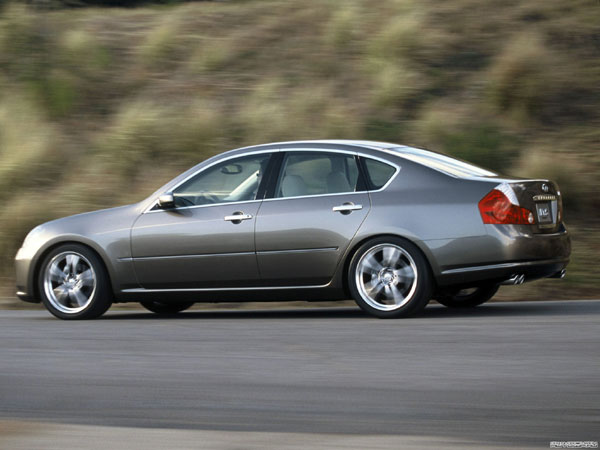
[443, 163]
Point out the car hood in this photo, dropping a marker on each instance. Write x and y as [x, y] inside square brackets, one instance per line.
[102, 220]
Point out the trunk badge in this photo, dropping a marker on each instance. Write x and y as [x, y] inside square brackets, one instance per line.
[545, 187]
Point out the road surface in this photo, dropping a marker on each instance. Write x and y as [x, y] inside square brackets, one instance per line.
[505, 374]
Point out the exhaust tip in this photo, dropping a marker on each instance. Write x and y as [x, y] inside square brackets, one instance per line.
[514, 280]
[560, 274]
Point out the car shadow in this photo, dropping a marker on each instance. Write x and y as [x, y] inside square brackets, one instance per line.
[433, 311]
[296, 313]
[525, 308]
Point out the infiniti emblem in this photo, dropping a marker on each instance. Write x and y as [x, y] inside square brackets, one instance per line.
[545, 187]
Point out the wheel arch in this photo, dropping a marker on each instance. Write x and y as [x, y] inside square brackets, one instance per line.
[44, 253]
[356, 245]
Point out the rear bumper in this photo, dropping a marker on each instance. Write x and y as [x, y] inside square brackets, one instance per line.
[531, 270]
[507, 251]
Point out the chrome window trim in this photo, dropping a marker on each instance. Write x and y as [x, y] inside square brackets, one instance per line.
[284, 150]
[347, 152]
[180, 208]
[314, 196]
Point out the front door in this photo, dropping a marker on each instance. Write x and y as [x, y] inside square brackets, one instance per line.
[207, 239]
[317, 206]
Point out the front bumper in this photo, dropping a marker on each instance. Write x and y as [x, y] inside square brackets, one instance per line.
[24, 266]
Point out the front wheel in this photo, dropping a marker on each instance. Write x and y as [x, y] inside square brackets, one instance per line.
[166, 307]
[73, 283]
[389, 278]
[468, 298]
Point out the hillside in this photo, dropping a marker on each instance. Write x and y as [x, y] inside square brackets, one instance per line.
[100, 106]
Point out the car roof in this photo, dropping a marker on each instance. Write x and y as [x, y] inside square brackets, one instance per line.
[432, 160]
[329, 142]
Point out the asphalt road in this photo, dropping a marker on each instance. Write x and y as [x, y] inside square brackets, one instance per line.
[515, 374]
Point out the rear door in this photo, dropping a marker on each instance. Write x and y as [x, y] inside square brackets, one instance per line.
[316, 206]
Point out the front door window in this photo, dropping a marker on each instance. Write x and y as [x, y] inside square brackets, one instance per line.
[234, 180]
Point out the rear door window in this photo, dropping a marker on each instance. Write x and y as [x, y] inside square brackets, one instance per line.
[317, 173]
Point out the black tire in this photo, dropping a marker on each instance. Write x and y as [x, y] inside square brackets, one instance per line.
[60, 290]
[387, 290]
[460, 299]
[166, 308]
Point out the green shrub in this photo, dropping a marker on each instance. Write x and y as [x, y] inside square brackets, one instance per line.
[399, 38]
[83, 52]
[264, 115]
[482, 144]
[578, 182]
[212, 55]
[529, 80]
[148, 131]
[382, 129]
[161, 43]
[59, 91]
[24, 43]
[394, 83]
[311, 112]
[460, 133]
[342, 29]
[30, 148]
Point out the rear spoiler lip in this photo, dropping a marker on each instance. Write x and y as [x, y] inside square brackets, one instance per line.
[510, 180]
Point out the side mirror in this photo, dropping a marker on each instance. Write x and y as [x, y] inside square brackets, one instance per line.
[166, 201]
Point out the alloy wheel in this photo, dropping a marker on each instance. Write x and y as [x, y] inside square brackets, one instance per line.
[70, 282]
[386, 277]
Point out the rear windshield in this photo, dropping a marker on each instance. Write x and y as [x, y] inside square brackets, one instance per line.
[443, 163]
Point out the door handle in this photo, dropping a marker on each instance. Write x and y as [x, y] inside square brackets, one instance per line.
[237, 217]
[347, 208]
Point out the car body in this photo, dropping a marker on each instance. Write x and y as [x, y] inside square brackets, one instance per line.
[284, 221]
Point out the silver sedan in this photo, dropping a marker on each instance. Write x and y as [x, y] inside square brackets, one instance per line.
[388, 225]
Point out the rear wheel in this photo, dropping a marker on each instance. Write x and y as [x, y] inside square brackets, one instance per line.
[389, 277]
[468, 298]
[166, 307]
[73, 283]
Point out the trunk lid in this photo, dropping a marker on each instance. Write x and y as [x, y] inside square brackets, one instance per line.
[543, 199]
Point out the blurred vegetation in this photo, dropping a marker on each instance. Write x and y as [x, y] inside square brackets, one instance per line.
[99, 106]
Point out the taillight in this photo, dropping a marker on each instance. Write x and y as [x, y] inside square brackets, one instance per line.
[496, 208]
